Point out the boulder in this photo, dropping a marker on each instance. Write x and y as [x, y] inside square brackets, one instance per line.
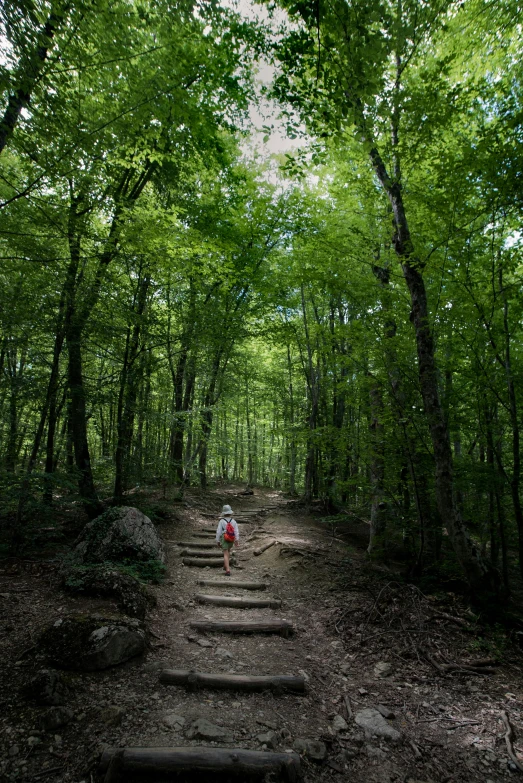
[120, 534]
[92, 642]
[133, 598]
[47, 688]
[374, 724]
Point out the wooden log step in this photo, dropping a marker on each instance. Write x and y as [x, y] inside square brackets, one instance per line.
[204, 562]
[283, 627]
[239, 603]
[205, 534]
[201, 764]
[262, 548]
[215, 552]
[231, 583]
[192, 544]
[232, 682]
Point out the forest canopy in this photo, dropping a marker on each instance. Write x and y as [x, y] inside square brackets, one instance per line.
[342, 322]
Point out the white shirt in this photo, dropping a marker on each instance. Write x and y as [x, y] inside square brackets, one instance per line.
[222, 525]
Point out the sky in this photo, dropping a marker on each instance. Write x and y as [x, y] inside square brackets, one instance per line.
[267, 111]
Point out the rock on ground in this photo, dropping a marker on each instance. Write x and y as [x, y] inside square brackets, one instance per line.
[339, 723]
[374, 724]
[55, 717]
[92, 642]
[312, 749]
[201, 728]
[119, 534]
[133, 598]
[47, 688]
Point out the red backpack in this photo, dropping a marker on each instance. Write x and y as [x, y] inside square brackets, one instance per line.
[230, 533]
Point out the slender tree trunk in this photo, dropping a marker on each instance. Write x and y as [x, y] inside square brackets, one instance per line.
[481, 576]
[30, 72]
[130, 383]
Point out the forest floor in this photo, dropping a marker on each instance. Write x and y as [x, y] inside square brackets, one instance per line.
[362, 638]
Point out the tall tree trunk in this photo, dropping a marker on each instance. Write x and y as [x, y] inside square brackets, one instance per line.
[30, 72]
[482, 577]
[130, 382]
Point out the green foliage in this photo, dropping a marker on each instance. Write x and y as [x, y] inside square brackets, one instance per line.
[152, 571]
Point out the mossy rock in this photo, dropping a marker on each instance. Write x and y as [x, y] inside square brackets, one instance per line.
[106, 581]
[119, 535]
[92, 642]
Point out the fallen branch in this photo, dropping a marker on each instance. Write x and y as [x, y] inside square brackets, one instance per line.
[262, 548]
[509, 740]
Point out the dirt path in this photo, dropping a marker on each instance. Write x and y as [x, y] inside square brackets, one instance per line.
[348, 618]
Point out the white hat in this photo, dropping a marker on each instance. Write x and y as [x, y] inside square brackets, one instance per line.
[226, 511]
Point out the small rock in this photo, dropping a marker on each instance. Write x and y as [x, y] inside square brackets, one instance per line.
[266, 722]
[112, 715]
[339, 723]
[362, 691]
[373, 723]
[55, 717]
[382, 669]
[47, 688]
[201, 728]
[375, 754]
[154, 666]
[383, 710]
[312, 749]
[221, 652]
[269, 739]
[236, 704]
[204, 642]
[32, 741]
[14, 750]
[173, 721]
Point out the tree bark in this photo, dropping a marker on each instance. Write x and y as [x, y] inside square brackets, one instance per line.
[283, 627]
[200, 764]
[30, 73]
[239, 602]
[129, 386]
[234, 584]
[232, 682]
[482, 577]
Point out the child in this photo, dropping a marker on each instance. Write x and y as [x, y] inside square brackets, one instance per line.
[227, 536]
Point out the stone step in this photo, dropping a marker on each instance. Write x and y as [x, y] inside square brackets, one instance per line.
[232, 682]
[282, 627]
[232, 584]
[239, 603]
[197, 763]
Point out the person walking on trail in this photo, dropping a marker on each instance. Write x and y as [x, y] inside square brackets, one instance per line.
[227, 536]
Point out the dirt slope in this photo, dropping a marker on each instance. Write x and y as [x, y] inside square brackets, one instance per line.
[348, 618]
